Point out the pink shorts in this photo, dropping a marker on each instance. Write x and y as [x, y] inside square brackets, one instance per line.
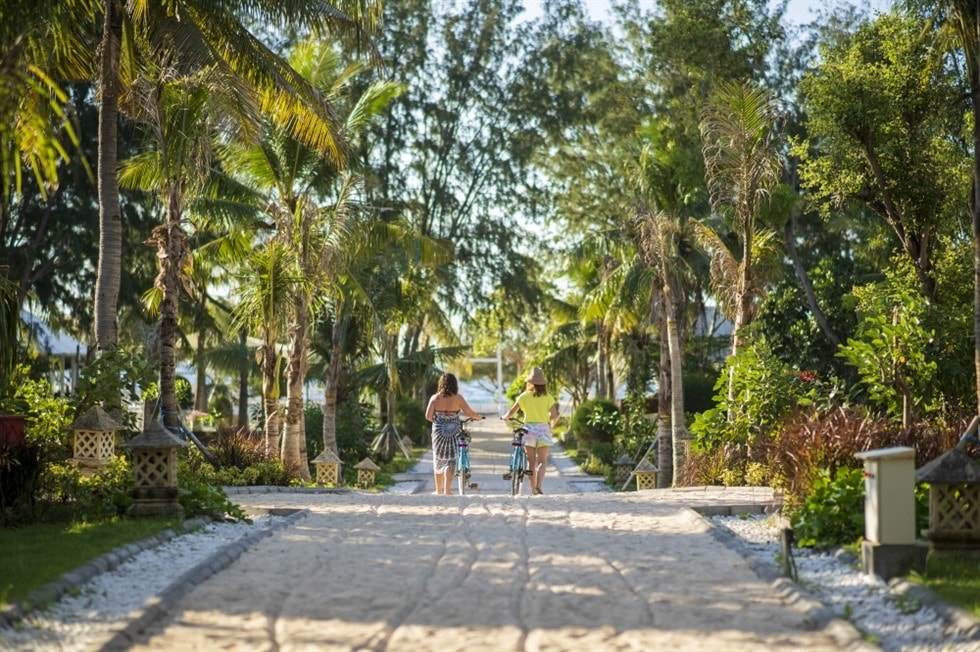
[538, 435]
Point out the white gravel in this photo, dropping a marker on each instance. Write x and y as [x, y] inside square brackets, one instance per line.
[104, 605]
[897, 623]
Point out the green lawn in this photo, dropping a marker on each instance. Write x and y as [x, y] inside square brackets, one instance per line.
[33, 555]
[955, 577]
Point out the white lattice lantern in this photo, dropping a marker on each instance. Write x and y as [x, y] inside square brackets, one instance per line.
[365, 473]
[95, 434]
[155, 490]
[646, 475]
[327, 468]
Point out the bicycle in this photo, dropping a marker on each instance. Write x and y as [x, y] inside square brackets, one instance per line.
[462, 463]
[518, 461]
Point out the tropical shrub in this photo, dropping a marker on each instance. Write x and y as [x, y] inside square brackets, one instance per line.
[764, 392]
[66, 491]
[20, 474]
[410, 419]
[595, 420]
[261, 469]
[699, 392]
[238, 448]
[313, 422]
[356, 427]
[199, 498]
[833, 514]
[891, 350]
[113, 374]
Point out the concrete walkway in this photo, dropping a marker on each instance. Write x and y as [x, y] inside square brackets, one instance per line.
[571, 570]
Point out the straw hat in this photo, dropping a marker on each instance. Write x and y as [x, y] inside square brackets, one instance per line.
[536, 377]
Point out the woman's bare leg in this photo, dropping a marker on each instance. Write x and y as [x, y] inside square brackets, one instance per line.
[532, 464]
[540, 468]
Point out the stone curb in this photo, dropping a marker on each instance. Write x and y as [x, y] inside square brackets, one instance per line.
[158, 607]
[56, 589]
[818, 615]
[274, 489]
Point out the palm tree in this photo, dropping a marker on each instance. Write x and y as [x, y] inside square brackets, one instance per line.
[309, 201]
[195, 34]
[742, 166]
[271, 280]
[659, 237]
[179, 115]
[663, 226]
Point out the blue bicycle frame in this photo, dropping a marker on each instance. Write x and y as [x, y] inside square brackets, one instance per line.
[463, 460]
[518, 462]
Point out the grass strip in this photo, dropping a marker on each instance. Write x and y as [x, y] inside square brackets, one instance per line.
[33, 555]
[955, 577]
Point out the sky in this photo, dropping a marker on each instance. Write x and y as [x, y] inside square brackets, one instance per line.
[797, 11]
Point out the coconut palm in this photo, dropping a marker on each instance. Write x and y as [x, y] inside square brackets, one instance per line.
[742, 167]
[309, 201]
[270, 282]
[193, 35]
[663, 226]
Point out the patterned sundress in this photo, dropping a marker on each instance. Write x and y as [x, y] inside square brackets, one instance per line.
[445, 427]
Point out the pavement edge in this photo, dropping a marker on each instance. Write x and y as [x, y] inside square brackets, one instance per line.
[817, 615]
[158, 607]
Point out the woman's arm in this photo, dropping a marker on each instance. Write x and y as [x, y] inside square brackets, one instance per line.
[512, 411]
[430, 409]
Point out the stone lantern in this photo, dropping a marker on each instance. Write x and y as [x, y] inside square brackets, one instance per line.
[646, 475]
[954, 501]
[365, 472]
[95, 439]
[155, 490]
[623, 469]
[327, 467]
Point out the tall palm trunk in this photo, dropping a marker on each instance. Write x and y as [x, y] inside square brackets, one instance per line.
[243, 384]
[665, 452]
[678, 426]
[601, 361]
[269, 363]
[330, 394]
[110, 222]
[172, 249]
[294, 434]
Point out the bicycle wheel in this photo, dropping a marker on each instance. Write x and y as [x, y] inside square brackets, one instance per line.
[463, 471]
[517, 467]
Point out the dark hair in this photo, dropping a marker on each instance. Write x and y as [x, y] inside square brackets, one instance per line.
[539, 390]
[448, 385]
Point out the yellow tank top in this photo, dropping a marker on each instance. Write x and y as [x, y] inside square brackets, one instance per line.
[536, 408]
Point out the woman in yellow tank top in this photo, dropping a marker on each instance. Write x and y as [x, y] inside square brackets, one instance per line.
[540, 411]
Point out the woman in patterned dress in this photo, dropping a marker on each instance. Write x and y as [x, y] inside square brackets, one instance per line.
[443, 411]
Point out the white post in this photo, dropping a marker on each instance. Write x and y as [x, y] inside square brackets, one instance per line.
[500, 375]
